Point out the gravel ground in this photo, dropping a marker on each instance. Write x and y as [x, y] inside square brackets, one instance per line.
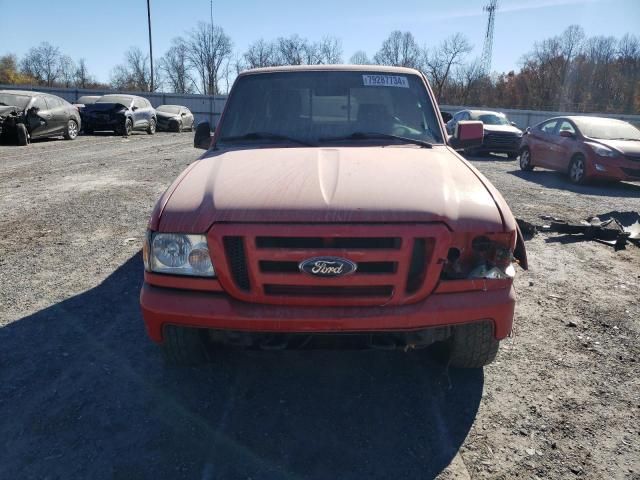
[84, 393]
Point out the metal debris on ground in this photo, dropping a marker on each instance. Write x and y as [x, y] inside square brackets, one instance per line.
[614, 228]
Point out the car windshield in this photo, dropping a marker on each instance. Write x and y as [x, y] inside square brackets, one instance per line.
[121, 99]
[607, 129]
[168, 109]
[10, 99]
[88, 100]
[492, 119]
[329, 106]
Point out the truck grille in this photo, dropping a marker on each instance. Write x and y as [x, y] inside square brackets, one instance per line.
[501, 140]
[397, 264]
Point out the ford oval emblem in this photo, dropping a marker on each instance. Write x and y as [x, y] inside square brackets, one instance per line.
[327, 266]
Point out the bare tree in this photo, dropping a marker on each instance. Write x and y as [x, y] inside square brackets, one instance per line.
[208, 48]
[293, 50]
[261, 54]
[330, 50]
[135, 73]
[67, 69]
[360, 58]
[440, 61]
[81, 76]
[399, 49]
[175, 67]
[42, 63]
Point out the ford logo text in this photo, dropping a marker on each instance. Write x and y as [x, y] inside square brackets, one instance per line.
[327, 266]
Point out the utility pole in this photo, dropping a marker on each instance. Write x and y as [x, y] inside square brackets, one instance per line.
[150, 44]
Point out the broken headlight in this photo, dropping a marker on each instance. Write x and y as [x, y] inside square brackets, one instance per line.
[177, 254]
[492, 260]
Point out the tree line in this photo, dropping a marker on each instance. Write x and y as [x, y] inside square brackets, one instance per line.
[570, 71]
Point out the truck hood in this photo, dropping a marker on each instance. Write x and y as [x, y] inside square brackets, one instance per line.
[501, 129]
[351, 184]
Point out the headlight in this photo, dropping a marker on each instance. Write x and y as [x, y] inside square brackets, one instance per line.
[603, 151]
[494, 260]
[177, 254]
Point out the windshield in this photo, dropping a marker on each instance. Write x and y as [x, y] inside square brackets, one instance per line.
[607, 129]
[168, 109]
[329, 106]
[88, 100]
[492, 119]
[122, 100]
[20, 101]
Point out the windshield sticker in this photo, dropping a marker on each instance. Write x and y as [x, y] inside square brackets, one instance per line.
[385, 81]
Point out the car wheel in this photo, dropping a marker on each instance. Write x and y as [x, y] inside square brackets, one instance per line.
[184, 346]
[473, 345]
[578, 170]
[22, 134]
[72, 130]
[128, 127]
[525, 160]
[151, 129]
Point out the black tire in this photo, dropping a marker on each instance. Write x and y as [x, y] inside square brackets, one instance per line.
[525, 160]
[151, 129]
[128, 128]
[22, 135]
[184, 346]
[472, 152]
[473, 345]
[71, 132]
[578, 170]
[512, 155]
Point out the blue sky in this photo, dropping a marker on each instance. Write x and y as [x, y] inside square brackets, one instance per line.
[102, 31]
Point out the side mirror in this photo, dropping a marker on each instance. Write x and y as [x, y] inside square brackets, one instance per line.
[468, 134]
[202, 138]
[567, 134]
[514, 124]
[184, 114]
[134, 108]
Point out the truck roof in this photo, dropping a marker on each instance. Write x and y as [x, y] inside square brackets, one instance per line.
[333, 68]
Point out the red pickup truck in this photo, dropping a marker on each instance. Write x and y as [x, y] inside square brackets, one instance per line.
[331, 201]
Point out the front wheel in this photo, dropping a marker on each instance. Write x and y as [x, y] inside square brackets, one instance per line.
[128, 127]
[151, 129]
[525, 160]
[578, 170]
[22, 134]
[184, 346]
[72, 130]
[473, 345]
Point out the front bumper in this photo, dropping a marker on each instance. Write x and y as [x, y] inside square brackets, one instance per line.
[167, 306]
[620, 169]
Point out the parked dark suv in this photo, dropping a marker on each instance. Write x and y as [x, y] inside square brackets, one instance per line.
[25, 115]
[500, 135]
[121, 114]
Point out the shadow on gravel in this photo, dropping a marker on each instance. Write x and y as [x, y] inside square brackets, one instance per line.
[84, 394]
[559, 181]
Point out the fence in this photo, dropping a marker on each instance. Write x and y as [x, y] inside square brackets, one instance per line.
[209, 107]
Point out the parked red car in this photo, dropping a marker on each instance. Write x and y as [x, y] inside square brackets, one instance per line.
[584, 147]
[331, 201]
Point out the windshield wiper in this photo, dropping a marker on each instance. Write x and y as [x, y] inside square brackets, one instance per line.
[376, 135]
[265, 136]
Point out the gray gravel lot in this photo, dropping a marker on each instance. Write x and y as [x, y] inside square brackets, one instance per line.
[84, 393]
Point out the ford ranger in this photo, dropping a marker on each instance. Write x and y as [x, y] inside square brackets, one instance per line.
[331, 202]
